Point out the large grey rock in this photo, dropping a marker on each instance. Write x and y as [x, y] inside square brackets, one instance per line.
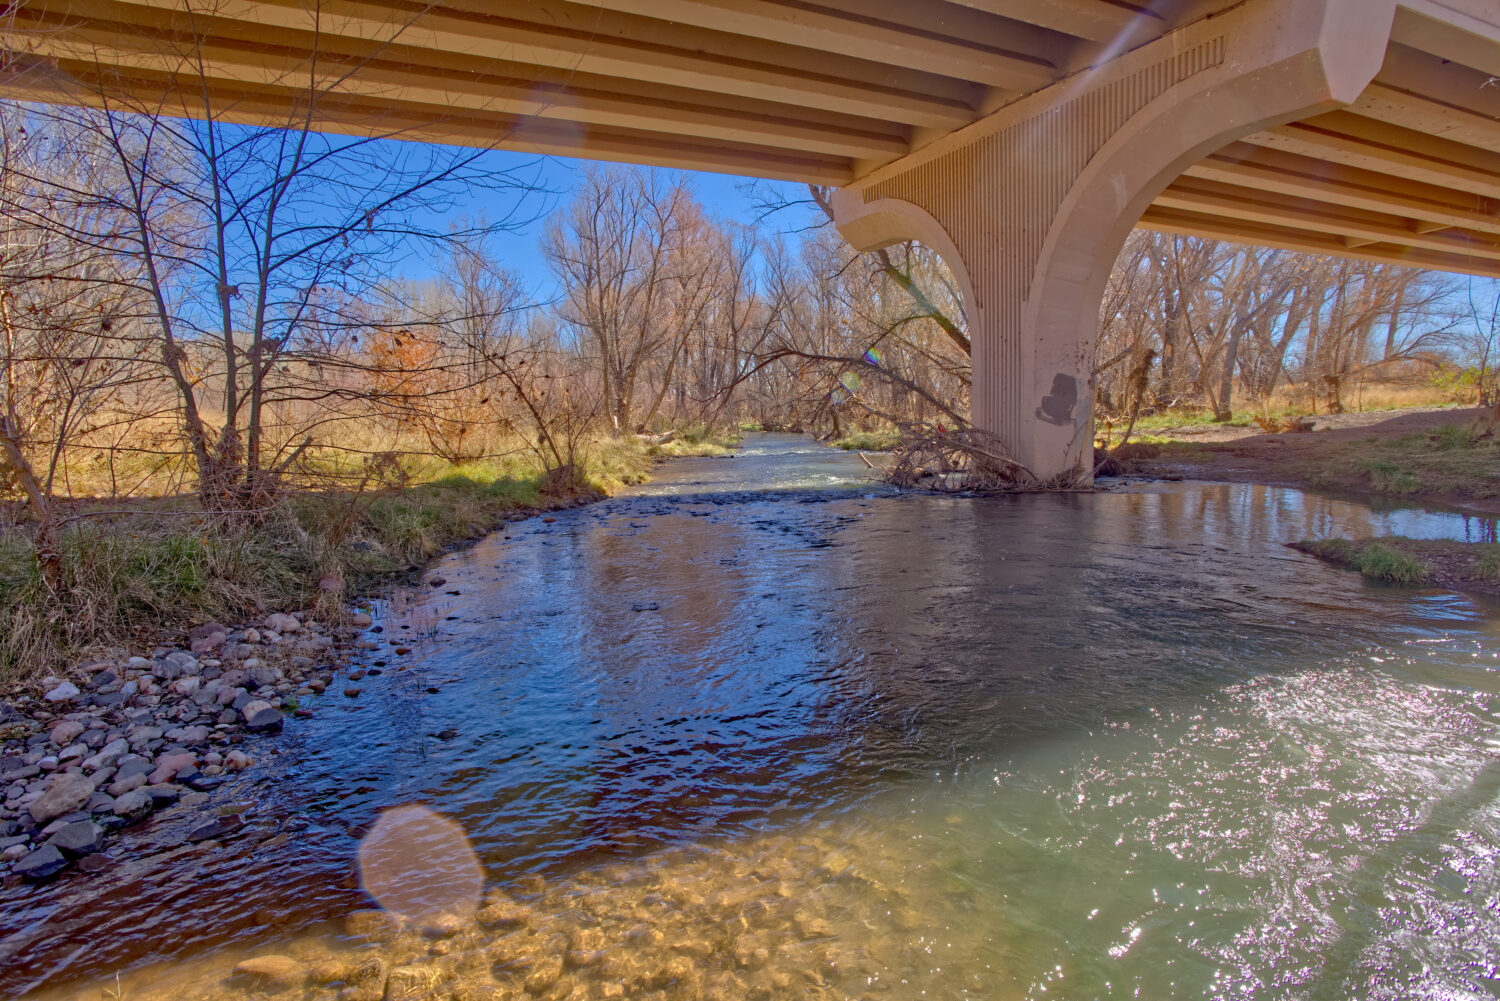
[189, 734]
[82, 837]
[281, 623]
[44, 863]
[65, 793]
[133, 805]
[184, 660]
[162, 795]
[108, 755]
[260, 677]
[103, 679]
[133, 764]
[65, 692]
[139, 736]
[129, 784]
[167, 670]
[185, 686]
[66, 732]
[261, 715]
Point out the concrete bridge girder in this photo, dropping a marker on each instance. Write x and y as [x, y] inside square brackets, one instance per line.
[1031, 205]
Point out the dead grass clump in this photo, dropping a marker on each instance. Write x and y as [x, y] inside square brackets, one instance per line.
[1122, 460]
[1280, 425]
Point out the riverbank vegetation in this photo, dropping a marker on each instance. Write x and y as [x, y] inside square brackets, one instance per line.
[1439, 455]
[1461, 566]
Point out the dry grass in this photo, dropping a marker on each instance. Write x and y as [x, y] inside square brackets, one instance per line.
[696, 440]
[159, 565]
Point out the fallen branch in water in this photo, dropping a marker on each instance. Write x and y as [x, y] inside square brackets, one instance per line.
[958, 459]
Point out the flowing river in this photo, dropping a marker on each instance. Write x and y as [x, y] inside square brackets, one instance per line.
[764, 730]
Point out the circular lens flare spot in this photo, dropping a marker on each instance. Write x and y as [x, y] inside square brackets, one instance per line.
[849, 381]
[420, 865]
[873, 356]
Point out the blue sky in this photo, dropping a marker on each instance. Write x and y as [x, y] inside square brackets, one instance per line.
[724, 196]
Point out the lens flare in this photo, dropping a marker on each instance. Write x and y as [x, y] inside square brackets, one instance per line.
[850, 381]
[873, 356]
[419, 865]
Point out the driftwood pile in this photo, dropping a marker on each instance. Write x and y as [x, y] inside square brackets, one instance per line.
[955, 459]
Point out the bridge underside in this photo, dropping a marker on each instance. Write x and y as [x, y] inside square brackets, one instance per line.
[1020, 138]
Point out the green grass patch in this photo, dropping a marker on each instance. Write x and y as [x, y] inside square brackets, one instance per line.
[1169, 419]
[1451, 460]
[870, 441]
[1381, 560]
[162, 566]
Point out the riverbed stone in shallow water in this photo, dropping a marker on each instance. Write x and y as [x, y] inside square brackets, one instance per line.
[501, 913]
[42, 864]
[277, 973]
[370, 923]
[544, 972]
[442, 925]
[215, 827]
[410, 983]
[65, 793]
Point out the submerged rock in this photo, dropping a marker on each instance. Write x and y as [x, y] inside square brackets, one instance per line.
[278, 973]
[545, 972]
[215, 827]
[410, 983]
[502, 914]
[370, 923]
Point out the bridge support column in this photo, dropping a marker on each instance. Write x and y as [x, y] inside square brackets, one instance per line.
[1031, 205]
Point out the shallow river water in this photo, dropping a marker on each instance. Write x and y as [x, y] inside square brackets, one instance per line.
[763, 730]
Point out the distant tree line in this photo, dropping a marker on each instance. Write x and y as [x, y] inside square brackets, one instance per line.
[192, 306]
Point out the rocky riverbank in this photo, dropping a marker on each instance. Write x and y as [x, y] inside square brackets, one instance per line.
[102, 750]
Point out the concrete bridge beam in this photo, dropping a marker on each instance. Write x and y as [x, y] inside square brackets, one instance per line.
[1031, 205]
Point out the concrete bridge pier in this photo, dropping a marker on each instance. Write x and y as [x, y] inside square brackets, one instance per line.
[1030, 205]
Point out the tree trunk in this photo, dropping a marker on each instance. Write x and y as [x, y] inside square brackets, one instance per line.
[48, 555]
[1223, 411]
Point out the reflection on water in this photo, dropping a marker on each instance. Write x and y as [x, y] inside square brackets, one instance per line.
[762, 730]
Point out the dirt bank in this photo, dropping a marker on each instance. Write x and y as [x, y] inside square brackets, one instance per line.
[1439, 456]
